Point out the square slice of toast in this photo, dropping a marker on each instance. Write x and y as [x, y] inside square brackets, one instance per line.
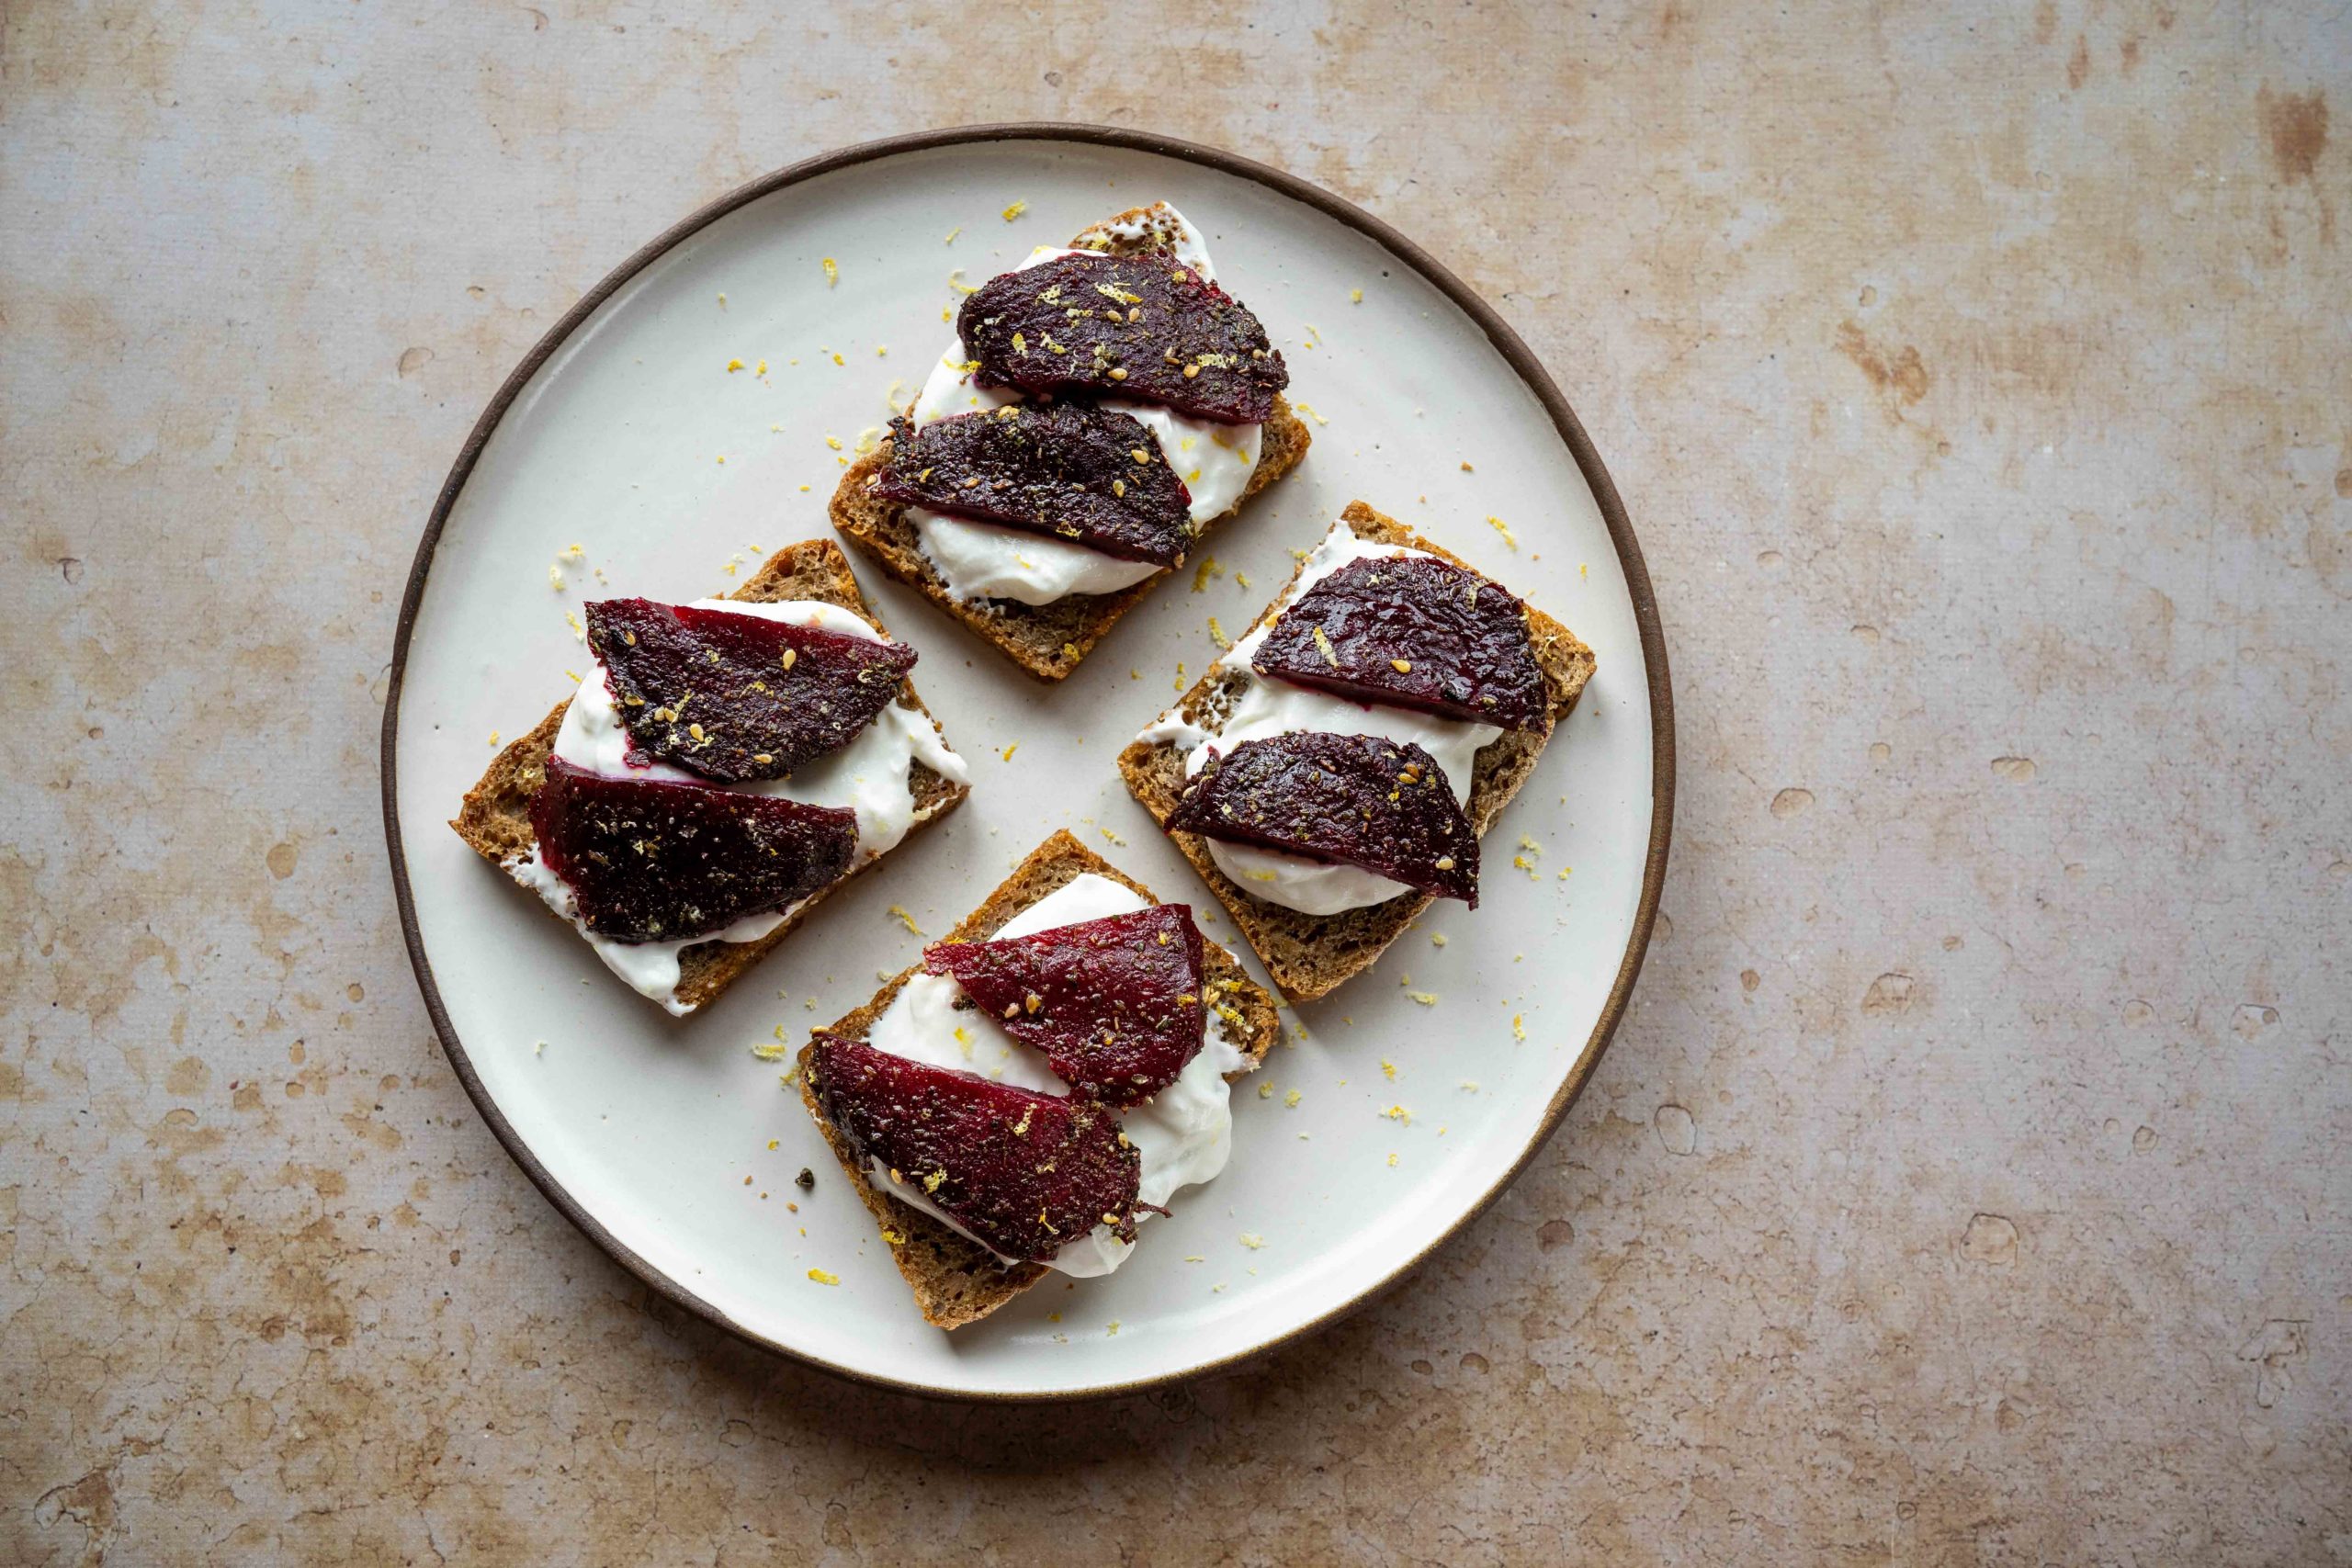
[1309, 954]
[1047, 640]
[955, 1280]
[496, 817]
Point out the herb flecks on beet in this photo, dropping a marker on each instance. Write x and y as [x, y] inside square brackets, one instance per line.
[1092, 476]
[1021, 1172]
[1116, 1005]
[1141, 326]
[1356, 799]
[650, 860]
[735, 697]
[1413, 632]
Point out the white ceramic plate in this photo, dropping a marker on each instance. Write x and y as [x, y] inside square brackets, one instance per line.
[669, 1142]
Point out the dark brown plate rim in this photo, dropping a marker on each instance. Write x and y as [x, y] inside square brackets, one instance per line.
[1515, 352]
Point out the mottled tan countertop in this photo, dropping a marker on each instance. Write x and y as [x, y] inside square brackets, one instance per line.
[1969, 1180]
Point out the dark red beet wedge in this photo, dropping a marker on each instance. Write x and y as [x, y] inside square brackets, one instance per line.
[1413, 632]
[1116, 1004]
[1021, 1172]
[1354, 798]
[1068, 470]
[656, 861]
[734, 696]
[1140, 326]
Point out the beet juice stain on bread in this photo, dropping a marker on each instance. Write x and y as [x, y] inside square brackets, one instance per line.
[1051, 1075]
[723, 766]
[1100, 410]
[1330, 775]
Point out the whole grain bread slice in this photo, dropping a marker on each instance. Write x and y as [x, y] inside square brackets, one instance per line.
[1309, 954]
[1047, 640]
[955, 1280]
[496, 817]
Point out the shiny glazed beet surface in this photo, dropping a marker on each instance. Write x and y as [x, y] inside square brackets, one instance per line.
[1413, 632]
[655, 861]
[1357, 799]
[1071, 471]
[1021, 1172]
[733, 696]
[1116, 1004]
[1139, 326]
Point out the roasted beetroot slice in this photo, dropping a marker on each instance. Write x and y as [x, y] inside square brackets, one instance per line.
[1413, 632]
[734, 696]
[1021, 1172]
[1116, 1004]
[1139, 326]
[654, 861]
[1354, 798]
[1067, 470]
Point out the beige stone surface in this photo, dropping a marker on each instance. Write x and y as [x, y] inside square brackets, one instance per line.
[1968, 1183]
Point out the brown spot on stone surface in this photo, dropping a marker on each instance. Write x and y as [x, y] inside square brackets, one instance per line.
[2078, 64]
[1749, 979]
[1676, 1129]
[2274, 1350]
[2296, 126]
[1553, 1233]
[281, 860]
[88, 1503]
[2251, 1018]
[1789, 802]
[1889, 993]
[413, 360]
[1901, 376]
[2017, 770]
[1989, 1239]
[188, 1076]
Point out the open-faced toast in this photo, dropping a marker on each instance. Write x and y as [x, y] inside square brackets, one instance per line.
[1308, 955]
[496, 817]
[956, 1281]
[1049, 639]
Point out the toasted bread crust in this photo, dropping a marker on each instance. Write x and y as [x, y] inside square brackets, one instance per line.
[496, 817]
[1308, 956]
[1047, 640]
[956, 1281]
